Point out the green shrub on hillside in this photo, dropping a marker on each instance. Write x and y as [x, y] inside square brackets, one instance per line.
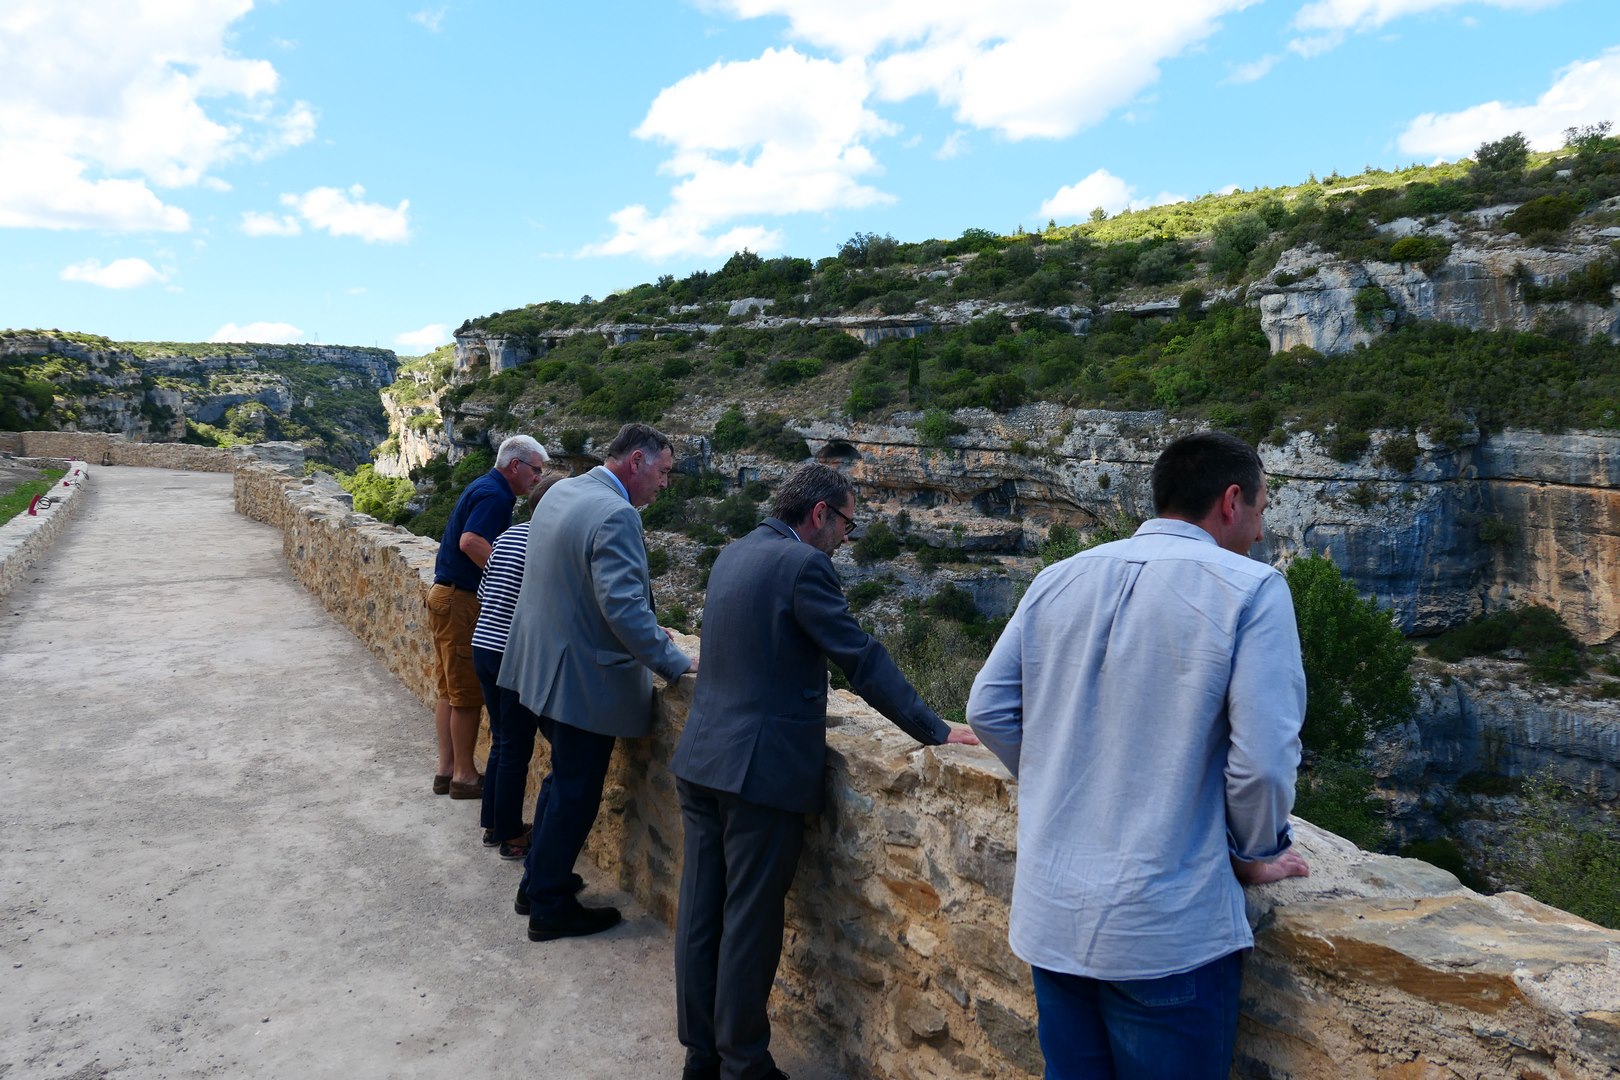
[1543, 216]
[1561, 860]
[1536, 633]
[1357, 664]
[877, 543]
[383, 497]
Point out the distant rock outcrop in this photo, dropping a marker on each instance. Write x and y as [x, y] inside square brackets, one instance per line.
[1515, 517]
[1317, 300]
[148, 392]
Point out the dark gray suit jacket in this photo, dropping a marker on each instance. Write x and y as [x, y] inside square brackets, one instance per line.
[774, 614]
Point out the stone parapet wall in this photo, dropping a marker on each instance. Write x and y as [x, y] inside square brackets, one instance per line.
[25, 538]
[372, 577]
[895, 962]
[100, 448]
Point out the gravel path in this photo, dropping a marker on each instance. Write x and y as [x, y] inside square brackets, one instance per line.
[218, 851]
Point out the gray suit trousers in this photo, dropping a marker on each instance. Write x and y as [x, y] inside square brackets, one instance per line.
[740, 858]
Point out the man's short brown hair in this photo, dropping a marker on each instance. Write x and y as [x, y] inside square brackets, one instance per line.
[809, 484]
[1195, 469]
[636, 436]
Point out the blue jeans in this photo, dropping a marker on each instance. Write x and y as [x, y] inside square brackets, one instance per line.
[511, 746]
[1179, 1027]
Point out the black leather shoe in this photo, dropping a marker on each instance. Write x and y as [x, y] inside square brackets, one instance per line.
[580, 922]
[521, 904]
[710, 1072]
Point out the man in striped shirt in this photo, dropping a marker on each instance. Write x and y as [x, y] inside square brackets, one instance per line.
[511, 726]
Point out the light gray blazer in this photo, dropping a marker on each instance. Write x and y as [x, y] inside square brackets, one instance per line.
[583, 633]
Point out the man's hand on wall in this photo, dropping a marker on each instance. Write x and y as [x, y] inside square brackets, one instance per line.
[1288, 864]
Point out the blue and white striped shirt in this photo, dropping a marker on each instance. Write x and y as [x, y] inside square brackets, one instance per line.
[498, 589]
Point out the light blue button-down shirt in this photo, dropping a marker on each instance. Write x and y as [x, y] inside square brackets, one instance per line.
[1148, 696]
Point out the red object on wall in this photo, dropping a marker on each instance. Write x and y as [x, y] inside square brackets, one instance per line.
[33, 506]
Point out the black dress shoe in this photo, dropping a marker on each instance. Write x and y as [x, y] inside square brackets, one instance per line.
[576, 923]
[708, 1072]
[521, 904]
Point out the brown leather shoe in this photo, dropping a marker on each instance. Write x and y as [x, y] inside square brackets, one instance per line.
[441, 785]
[474, 790]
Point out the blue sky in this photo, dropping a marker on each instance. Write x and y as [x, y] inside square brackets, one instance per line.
[373, 173]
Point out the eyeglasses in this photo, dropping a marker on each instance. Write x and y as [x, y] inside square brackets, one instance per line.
[849, 522]
[536, 469]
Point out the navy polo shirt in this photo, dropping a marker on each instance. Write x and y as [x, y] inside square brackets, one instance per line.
[484, 508]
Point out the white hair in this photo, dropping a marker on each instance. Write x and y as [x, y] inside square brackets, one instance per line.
[516, 445]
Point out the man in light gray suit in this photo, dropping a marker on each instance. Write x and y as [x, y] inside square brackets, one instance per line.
[581, 654]
[750, 762]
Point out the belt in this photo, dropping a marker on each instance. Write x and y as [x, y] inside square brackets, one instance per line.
[452, 585]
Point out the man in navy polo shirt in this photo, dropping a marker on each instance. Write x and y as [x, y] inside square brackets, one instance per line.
[482, 513]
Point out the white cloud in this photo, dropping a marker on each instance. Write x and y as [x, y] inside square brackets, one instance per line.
[1585, 92]
[342, 213]
[118, 274]
[428, 338]
[263, 333]
[42, 189]
[103, 103]
[1361, 16]
[1325, 23]
[433, 20]
[1022, 68]
[1253, 71]
[954, 146]
[257, 224]
[1102, 188]
[780, 134]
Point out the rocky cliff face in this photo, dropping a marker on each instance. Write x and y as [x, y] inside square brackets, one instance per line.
[411, 444]
[1550, 505]
[1484, 717]
[1310, 298]
[149, 392]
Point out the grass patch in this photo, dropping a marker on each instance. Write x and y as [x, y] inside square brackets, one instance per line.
[17, 500]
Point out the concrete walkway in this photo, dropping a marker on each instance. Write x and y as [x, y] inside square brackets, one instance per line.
[218, 851]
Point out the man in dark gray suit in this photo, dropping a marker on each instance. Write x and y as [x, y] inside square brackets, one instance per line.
[581, 655]
[749, 765]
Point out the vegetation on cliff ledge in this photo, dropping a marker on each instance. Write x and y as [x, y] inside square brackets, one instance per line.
[1111, 313]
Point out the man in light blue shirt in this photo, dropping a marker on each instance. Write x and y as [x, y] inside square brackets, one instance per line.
[1148, 696]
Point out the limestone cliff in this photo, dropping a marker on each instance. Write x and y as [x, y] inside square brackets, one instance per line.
[1311, 299]
[1410, 538]
[416, 434]
[322, 395]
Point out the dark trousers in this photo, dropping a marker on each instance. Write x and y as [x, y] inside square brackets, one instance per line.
[738, 864]
[511, 747]
[563, 815]
[1178, 1027]
[487, 665]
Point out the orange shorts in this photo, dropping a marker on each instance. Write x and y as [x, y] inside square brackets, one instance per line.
[452, 614]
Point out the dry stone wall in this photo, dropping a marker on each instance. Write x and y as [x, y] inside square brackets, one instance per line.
[99, 448]
[26, 537]
[895, 960]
